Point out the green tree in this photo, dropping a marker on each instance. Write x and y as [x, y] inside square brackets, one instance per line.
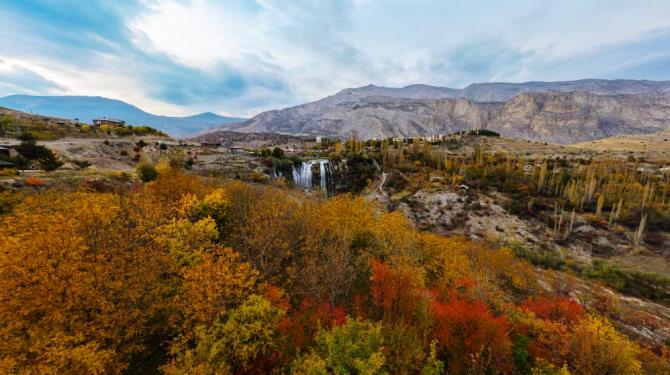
[147, 172]
[354, 348]
[249, 334]
[433, 365]
[30, 150]
[278, 153]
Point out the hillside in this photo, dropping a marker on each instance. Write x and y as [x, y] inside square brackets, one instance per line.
[13, 123]
[654, 146]
[86, 108]
[549, 117]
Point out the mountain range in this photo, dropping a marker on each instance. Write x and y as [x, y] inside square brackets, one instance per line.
[561, 112]
[86, 108]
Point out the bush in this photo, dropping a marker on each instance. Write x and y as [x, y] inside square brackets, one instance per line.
[30, 150]
[81, 163]
[35, 181]
[653, 286]
[542, 258]
[51, 163]
[484, 133]
[147, 172]
[278, 153]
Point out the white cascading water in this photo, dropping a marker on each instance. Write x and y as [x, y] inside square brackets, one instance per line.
[303, 175]
[323, 175]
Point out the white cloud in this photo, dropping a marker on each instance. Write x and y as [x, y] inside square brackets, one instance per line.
[239, 57]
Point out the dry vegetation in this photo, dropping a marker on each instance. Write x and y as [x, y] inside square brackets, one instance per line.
[188, 275]
[493, 259]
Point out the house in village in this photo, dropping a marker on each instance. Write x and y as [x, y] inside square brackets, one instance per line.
[108, 122]
[8, 152]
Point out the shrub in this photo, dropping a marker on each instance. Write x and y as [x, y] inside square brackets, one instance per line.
[8, 172]
[147, 172]
[81, 163]
[51, 163]
[29, 149]
[278, 153]
[35, 181]
[653, 286]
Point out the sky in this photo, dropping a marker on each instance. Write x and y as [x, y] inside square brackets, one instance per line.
[241, 57]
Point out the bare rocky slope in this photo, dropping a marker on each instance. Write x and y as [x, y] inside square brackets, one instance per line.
[560, 117]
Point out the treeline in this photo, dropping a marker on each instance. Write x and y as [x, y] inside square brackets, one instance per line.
[187, 275]
[123, 130]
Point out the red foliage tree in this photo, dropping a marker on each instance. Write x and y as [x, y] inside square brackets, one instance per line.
[304, 322]
[557, 309]
[471, 337]
[396, 290]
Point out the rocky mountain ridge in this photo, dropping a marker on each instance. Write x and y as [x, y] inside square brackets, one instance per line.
[543, 116]
[504, 91]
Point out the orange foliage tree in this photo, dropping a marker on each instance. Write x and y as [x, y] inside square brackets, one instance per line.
[81, 290]
[472, 339]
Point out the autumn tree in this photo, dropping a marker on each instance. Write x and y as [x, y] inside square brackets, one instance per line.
[353, 348]
[81, 286]
[265, 225]
[597, 348]
[217, 283]
[246, 338]
[397, 291]
[337, 247]
[471, 338]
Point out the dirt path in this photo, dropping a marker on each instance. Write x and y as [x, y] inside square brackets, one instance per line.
[381, 183]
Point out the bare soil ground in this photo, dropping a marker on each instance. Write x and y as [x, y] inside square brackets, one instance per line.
[652, 147]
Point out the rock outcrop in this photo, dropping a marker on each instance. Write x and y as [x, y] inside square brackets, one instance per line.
[543, 116]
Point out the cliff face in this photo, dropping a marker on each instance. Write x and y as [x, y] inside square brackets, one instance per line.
[551, 117]
[575, 117]
[503, 91]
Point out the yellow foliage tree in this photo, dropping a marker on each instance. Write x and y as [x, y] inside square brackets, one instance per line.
[79, 285]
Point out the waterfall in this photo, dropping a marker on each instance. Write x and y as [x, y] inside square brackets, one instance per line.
[323, 175]
[303, 176]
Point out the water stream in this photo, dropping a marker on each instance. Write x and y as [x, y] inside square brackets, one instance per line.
[303, 175]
